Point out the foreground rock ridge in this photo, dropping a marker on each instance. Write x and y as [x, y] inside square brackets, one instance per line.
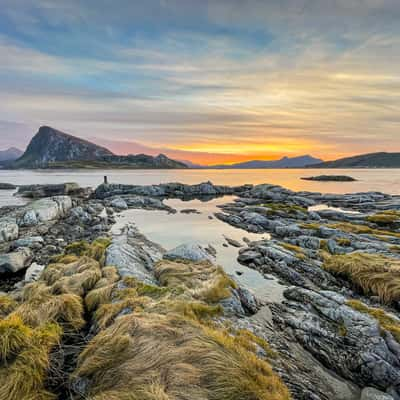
[91, 313]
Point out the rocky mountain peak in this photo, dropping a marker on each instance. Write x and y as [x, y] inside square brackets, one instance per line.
[51, 145]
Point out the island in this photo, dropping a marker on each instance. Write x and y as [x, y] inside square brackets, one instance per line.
[330, 178]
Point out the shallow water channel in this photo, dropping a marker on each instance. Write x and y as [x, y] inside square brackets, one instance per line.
[171, 230]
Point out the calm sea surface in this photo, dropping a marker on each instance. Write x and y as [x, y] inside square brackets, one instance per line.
[384, 180]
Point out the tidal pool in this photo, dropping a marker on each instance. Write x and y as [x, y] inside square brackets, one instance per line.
[171, 230]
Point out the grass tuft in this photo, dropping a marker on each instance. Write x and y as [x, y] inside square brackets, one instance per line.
[374, 274]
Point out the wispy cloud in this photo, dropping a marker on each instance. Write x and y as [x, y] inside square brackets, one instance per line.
[220, 77]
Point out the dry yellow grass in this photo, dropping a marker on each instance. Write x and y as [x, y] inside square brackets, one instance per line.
[158, 343]
[152, 343]
[152, 355]
[33, 324]
[204, 281]
[7, 304]
[374, 274]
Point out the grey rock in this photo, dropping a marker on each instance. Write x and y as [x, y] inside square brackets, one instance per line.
[308, 242]
[29, 219]
[81, 215]
[119, 204]
[47, 209]
[345, 340]
[189, 251]
[133, 254]
[288, 230]
[16, 260]
[326, 232]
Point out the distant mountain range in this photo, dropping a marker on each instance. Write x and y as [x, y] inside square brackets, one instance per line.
[372, 160]
[285, 162]
[10, 154]
[51, 148]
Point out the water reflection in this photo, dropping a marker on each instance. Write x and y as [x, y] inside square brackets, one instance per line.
[171, 230]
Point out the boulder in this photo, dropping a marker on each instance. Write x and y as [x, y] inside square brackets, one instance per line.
[47, 209]
[133, 254]
[190, 252]
[15, 261]
[8, 229]
[119, 204]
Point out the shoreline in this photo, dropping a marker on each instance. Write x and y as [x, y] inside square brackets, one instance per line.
[319, 330]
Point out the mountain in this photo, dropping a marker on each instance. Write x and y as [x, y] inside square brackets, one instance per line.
[285, 162]
[10, 154]
[372, 160]
[51, 148]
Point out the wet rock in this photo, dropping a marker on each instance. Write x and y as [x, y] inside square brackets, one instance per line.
[16, 260]
[8, 229]
[190, 252]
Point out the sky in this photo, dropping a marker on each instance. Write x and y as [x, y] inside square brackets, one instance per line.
[210, 81]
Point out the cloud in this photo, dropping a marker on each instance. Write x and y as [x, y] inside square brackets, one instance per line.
[215, 77]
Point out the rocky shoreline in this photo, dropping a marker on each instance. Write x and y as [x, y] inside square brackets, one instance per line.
[337, 333]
